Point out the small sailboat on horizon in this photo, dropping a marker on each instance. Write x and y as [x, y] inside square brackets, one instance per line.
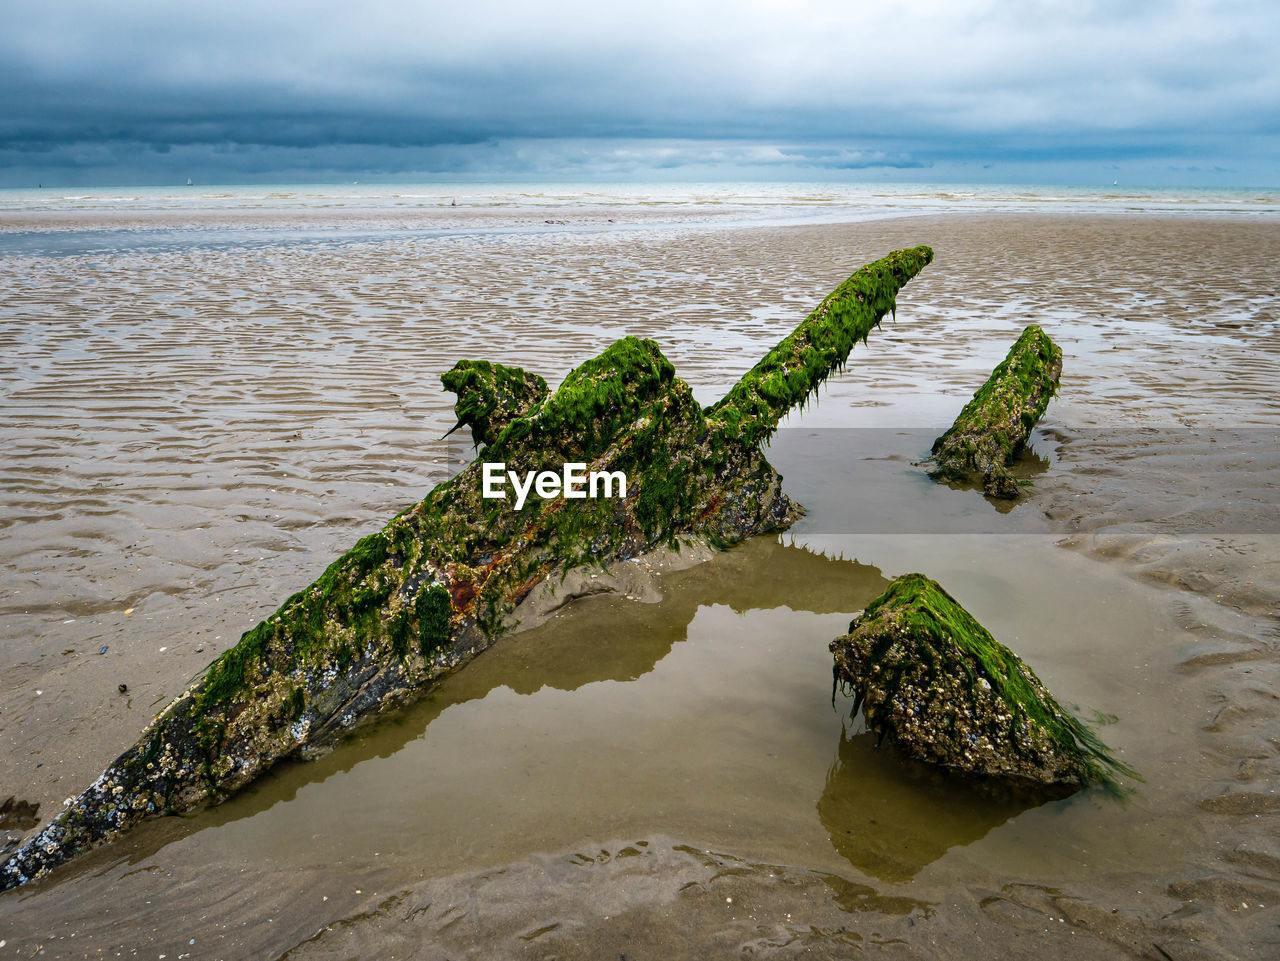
[189, 183]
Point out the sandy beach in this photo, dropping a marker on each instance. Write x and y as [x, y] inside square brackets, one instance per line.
[201, 411]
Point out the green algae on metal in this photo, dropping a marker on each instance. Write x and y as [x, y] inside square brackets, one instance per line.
[994, 426]
[929, 676]
[786, 376]
[491, 395]
[445, 578]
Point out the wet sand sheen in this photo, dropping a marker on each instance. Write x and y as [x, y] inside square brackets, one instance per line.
[215, 457]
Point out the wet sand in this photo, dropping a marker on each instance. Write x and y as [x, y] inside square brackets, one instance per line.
[193, 432]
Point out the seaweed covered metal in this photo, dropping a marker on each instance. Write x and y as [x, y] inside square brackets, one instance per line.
[994, 426]
[925, 673]
[446, 577]
[787, 375]
[490, 396]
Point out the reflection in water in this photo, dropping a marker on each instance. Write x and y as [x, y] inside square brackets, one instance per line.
[602, 639]
[1027, 466]
[598, 639]
[613, 639]
[884, 487]
[889, 817]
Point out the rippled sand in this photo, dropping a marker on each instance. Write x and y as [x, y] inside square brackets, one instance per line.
[193, 430]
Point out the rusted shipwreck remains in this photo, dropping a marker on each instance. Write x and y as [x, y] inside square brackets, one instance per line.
[446, 577]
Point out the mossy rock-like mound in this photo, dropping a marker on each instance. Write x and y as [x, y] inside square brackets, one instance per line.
[995, 425]
[935, 681]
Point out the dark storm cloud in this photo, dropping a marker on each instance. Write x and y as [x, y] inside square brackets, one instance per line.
[513, 87]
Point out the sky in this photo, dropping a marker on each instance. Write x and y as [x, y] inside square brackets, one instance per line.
[977, 91]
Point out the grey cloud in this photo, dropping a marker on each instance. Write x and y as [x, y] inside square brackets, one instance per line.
[403, 86]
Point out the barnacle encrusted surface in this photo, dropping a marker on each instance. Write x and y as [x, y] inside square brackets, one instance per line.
[996, 423]
[444, 579]
[490, 396]
[927, 675]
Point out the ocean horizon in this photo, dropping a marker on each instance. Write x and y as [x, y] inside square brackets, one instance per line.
[101, 220]
[875, 197]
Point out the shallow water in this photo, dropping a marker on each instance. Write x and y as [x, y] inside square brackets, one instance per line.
[706, 719]
[194, 433]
